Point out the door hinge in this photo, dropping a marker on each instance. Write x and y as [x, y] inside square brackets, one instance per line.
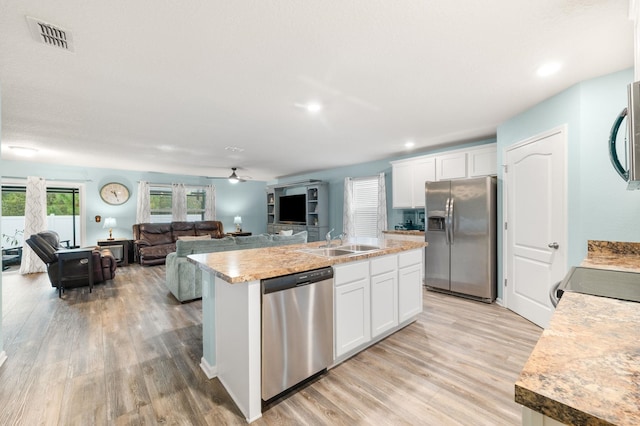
[506, 168]
[505, 226]
[505, 282]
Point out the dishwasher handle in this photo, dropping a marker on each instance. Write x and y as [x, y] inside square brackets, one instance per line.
[300, 279]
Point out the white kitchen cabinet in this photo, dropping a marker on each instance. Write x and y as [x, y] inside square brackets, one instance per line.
[482, 162]
[374, 298]
[402, 186]
[451, 166]
[423, 170]
[409, 284]
[534, 418]
[384, 294]
[408, 178]
[410, 175]
[406, 237]
[352, 321]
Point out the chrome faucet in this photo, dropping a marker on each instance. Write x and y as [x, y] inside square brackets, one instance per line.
[328, 237]
[341, 237]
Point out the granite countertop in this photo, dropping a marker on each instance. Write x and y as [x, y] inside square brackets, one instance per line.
[613, 255]
[405, 232]
[256, 264]
[585, 369]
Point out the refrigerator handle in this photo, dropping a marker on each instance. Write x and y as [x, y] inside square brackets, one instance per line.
[450, 228]
[446, 221]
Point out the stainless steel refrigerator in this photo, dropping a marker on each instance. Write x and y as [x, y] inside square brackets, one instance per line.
[461, 236]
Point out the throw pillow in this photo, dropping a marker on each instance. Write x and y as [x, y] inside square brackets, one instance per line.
[289, 232]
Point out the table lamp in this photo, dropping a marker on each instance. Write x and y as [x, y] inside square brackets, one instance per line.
[110, 222]
[238, 221]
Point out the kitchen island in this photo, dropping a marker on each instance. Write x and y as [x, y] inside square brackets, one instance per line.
[231, 304]
[585, 369]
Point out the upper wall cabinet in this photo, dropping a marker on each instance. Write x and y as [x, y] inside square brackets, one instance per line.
[410, 175]
[408, 180]
[483, 162]
[451, 166]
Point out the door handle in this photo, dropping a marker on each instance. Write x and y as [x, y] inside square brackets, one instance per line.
[553, 245]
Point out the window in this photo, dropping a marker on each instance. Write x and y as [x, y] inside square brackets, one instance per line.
[63, 213]
[161, 202]
[365, 207]
[195, 203]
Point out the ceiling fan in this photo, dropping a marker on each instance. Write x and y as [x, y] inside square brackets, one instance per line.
[234, 178]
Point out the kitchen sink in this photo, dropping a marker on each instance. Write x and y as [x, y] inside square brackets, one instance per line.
[329, 252]
[359, 247]
[338, 251]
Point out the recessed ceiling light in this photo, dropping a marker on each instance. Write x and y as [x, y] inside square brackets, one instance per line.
[314, 107]
[23, 151]
[409, 144]
[234, 148]
[548, 69]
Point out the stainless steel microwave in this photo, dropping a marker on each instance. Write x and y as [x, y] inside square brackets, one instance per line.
[631, 174]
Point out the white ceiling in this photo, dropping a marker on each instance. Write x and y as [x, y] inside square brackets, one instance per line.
[167, 85]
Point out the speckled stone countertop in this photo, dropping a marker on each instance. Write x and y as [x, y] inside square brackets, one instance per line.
[256, 264]
[585, 369]
[404, 232]
[613, 255]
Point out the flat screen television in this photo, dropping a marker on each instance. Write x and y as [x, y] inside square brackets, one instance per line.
[292, 208]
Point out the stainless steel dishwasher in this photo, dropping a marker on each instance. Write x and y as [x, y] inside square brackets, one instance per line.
[297, 329]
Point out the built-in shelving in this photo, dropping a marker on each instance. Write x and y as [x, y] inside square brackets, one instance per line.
[317, 208]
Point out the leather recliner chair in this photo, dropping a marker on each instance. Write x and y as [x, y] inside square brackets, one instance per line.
[45, 244]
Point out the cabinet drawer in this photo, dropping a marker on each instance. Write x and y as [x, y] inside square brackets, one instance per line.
[408, 258]
[351, 272]
[382, 264]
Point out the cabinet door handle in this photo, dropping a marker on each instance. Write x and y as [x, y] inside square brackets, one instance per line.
[553, 245]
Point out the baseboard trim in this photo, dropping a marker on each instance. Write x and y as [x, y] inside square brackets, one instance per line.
[209, 371]
[3, 357]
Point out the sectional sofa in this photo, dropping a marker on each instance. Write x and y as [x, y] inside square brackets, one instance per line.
[185, 281]
[154, 241]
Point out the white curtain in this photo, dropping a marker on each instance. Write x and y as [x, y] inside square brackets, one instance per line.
[35, 220]
[143, 211]
[382, 205]
[178, 202]
[210, 202]
[348, 213]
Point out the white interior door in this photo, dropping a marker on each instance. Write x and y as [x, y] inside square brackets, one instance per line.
[536, 234]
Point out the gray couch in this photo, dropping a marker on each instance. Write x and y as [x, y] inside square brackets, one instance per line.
[184, 280]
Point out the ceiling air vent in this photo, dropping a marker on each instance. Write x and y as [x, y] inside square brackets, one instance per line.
[50, 34]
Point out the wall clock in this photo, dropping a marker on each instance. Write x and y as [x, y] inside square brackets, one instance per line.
[114, 193]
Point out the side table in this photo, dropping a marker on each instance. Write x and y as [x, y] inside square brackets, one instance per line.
[70, 254]
[119, 248]
[238, 234]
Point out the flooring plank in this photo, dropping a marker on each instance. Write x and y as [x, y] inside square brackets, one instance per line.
[129, 353]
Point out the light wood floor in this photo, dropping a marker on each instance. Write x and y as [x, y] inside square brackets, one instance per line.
[129, 353]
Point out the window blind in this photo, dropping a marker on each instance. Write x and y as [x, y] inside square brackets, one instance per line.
[365, 207]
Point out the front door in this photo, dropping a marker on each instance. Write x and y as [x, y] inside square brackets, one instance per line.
[536, 236]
